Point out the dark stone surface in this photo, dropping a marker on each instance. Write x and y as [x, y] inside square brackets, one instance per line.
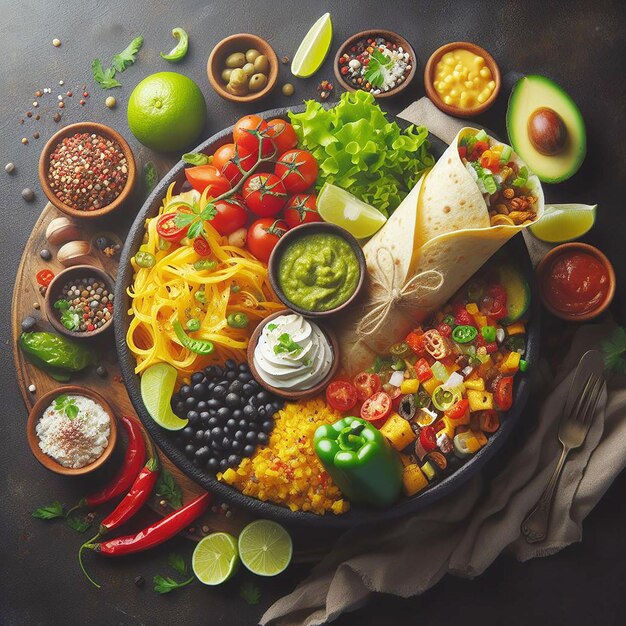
[582, 45]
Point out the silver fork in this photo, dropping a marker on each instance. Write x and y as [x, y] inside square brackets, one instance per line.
[573, 430]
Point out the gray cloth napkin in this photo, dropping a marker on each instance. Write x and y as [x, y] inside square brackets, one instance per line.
[463, 533]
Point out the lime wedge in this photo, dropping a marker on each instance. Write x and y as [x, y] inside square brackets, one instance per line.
[265, 547]
[215, 558]
[157, 387]
[313, 49]
[340, 207]
[564, 222]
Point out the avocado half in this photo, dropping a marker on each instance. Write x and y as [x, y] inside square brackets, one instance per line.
[529, 94]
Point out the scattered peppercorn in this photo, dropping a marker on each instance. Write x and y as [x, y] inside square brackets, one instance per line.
[9, 168]
[101, 371]
[61, 104]
[285, 60]
[42, 290]
[28, 194]
[140, 581]
[69, 94]
[57, 117]
[85, 94]
[288, 89]
[35, 135]
[35, 104]
[32, 388]
[28, 323]
[29, 114]
[56, 42]
[36, 306]
[38, 93]
[46, 255]
[61, 82]
[110, 102]
[101, 242]
[24, 140]
[37, 117]
[82, 103]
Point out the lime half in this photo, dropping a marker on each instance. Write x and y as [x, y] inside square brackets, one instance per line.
[340, 207]
[157, 387]
[564, 222]
[265, 548]
[313, 49]
[215, 559]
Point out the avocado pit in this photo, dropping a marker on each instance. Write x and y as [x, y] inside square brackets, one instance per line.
[547, 131]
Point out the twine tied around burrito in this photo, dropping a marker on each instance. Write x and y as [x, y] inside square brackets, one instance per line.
[391, 294]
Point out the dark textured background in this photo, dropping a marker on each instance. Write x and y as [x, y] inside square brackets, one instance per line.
[582, 45]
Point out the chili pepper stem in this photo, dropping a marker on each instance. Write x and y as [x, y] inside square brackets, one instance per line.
[82, 503]
[91, 545]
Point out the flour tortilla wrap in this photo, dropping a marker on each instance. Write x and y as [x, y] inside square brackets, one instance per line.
[442, 225]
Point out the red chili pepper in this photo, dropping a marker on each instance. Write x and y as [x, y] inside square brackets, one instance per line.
[201, 246]
[444, 329]
[463, 151]
[428, 438]
[463, 318]
[133, 460]
[157, 533]
[44, 277]
[423, 371]
[138, 494]
[415, 342]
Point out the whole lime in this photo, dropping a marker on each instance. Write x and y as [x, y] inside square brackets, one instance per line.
[166, 111]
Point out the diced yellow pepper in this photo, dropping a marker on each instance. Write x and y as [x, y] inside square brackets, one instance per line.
[409, 385]
[229, 476]
[480, 437]
[472, 444]
[481, 320]
[452, 368]
[413, 479]
[398, 431]
[406, 459]
[471, 308]
[479, 400]
[516, 329]
[510, 365]
[478, 384]
[449, 427]
[430, 385]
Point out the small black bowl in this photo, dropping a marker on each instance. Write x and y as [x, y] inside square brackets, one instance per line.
[302, 231]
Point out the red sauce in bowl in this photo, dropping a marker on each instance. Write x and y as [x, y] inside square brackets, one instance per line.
[576, 283]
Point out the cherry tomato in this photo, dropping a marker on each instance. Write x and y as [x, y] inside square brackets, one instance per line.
[377, 407]
[232, 159]
[167, 229]
[231, 214]
[264, 194]
[366, 385]
[263, 235]
[504, 393]
[458, 410]
[302, 209]
[341, 395]
[202, 177]
[252, 130]
[283, 135]
[201, 246]
[44, 277]
[297, 169]
[428, 438]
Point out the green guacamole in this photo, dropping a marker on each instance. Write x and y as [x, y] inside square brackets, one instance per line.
[318, 272]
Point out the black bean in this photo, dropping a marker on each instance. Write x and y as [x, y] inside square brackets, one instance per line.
[219, 392]
[199, 437]
[262, 438]
[207, 436]
[226, 443]
[244, 377]
[189, 450]
[234, 459]
[179, 408]
[202, 454]
[249, 411]
[233, 400]
[218, 372]
[102, 371]
[263, 396]
[213, 403]
[261, 411]
[230, 375]
[239, 435]
[269, 407]
[247, 389]
[223, 464]
[197, 377]
[231, 423]
[230, 364]
[202, 406]
[28, 323]
[236, 387]
[190, 403]
[193, 415]
[188, 433]
[267, 426]
[236, 446]
[237, 414]
[45, 254]
[249, 450]
[251, 436]
[205, 416]
[216, 433]
[216, 445]
[243, 423]
[213, 422]
[278, 404]
[200, 390]
[212, 465]
[184, 391]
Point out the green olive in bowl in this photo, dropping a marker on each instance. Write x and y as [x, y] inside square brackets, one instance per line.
[251, 55]
[261, 64]
[257, 82]
[236, 59]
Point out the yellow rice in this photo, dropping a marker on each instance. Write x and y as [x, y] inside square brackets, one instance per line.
[287, 470]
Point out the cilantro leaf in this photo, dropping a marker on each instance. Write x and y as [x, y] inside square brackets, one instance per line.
[177, 563]
[50, 511]
[70, 319]
[196, 228]
[375, 73]
[287, 345]
[615, 351]
[522, 177]
[127, 56]
[166, 584]
[184, 219]
[168, 489]
[250, 592]
[79, 524]
[149, 177]
[209, 212]
[105, 78]
[62, 304]
[272, 326]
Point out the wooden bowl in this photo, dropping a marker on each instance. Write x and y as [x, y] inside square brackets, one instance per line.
[293, 395]
[389, 36]
[240, 43]
[36, 413]
[87, 127]
[429, 76]
[544, 266]
[309, 229]
[53, 293]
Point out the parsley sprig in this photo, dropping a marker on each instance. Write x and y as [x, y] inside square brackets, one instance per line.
[168, 489]
[194, 219]
[377, 68]
[614, 350]
[287, 345]
[56, 510]
[250, 592]
[106, 77]
[69, 318]
[166, 584]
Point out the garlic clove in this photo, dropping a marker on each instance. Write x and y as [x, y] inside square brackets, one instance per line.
[75, 253]
[61, 230]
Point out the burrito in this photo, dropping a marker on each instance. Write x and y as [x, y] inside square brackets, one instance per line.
[478, 195]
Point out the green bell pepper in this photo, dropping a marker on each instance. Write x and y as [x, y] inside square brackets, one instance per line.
[360, 461]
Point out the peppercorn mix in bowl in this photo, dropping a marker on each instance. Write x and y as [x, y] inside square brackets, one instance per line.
[87, 170]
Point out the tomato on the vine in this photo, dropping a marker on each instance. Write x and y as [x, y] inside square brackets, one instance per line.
[283, 135]
[264, 194]
[202, 177]
[297, 169]
[252, 130]
[231, 159]
[263, 235]
[302, 209]
[168, 230]
[341, 395]
[230, 215]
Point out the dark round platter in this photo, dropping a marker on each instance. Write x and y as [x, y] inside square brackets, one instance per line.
[357, 515]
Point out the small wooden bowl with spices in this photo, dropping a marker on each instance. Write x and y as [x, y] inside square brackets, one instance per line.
[98, 181]
[73, 421]
[79, 302]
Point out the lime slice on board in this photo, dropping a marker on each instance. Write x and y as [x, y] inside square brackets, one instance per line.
[564, 222]
[215, 558]
[313, 49]
[157, 387]
[265, 548]
[340, 207]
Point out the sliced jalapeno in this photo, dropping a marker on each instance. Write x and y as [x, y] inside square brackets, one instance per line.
[193, 324]
[398, 365]
[443, 399]
[400, 349]
[489, 333]
[200, 296]
[145, 259]
[180, 49]
[237, 320]
[464, 334]
[199, 346]
[205, 264]
[449, 320]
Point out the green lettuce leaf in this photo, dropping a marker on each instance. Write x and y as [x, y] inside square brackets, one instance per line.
[359, 150]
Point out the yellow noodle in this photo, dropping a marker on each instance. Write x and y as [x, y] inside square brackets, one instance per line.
[165, 292]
